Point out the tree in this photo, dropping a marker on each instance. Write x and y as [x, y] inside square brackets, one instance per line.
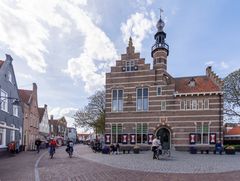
[232, 95]
[92, 115]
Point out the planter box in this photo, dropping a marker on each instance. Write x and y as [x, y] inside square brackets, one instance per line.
[230, 151]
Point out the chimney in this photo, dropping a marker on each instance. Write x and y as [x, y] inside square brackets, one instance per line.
[34, 87]
[45, 106]
[51, 117]
[8, 58]
[208, 70]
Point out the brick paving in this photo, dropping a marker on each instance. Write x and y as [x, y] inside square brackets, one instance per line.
[179, 162]
[19, 167]
[80, 168]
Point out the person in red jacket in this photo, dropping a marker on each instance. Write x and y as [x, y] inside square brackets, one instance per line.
[52, 144]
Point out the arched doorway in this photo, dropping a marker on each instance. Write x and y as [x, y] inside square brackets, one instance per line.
[165, 135]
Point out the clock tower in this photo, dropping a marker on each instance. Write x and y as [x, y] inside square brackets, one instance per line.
[160, 49]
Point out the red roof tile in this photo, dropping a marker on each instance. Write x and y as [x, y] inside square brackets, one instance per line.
[202, 84]
[25, 95]
[234, 131]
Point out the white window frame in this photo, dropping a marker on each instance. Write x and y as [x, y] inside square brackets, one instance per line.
[194, 105]
[184, 105]
[163, 105]
[118, 107]
[202, 131]
[4, 100]
[129, 65]
[3, 131]
[200, 102]
[190, 104]
[142, 98]
[206, 102]
[12, 133]
[15, 110]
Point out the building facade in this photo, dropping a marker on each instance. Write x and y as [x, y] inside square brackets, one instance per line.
[29, 102]
[58, 127]
[11, 116]
[43, 123]
[142, 101]
[72, 134]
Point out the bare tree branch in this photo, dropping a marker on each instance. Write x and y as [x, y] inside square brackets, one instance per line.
[93, 115]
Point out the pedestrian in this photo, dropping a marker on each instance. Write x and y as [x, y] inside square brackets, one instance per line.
[38, 143]
[117, 148]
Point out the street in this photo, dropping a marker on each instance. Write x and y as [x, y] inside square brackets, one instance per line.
[32, 166]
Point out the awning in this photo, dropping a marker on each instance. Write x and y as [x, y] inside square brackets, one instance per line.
[8, 127]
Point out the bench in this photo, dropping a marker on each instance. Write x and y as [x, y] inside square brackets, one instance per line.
[202, 149]
[126, 148]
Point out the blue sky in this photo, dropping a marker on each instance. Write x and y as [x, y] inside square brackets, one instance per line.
[67, 46]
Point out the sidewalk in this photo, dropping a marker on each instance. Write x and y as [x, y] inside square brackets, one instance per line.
[19, 167]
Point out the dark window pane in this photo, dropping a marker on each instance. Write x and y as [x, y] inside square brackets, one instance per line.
[145, 92]
[119, 138]
[198, 138]
[139, 93]
[138, 138]
[114, 94]
[144, 138]
[120, 94]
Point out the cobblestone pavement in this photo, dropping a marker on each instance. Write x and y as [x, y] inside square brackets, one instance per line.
[80, 168]
[19, 167]
[179, 162]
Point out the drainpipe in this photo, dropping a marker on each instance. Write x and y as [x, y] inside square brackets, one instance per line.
[220, 117]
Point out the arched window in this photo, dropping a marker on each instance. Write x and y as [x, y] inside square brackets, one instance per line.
[2, 134]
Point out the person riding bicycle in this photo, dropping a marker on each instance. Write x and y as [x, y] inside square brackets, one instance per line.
[52, 144]
[155, 145]
[69, 145]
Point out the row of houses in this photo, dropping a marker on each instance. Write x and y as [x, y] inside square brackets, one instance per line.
[21, 118]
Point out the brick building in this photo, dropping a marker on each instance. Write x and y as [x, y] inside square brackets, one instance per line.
[29, 102]
[142, 101]
[58, 127]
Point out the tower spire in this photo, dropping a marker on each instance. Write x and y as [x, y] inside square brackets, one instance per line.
[160, 49]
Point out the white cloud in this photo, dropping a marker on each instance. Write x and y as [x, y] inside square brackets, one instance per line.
[98, 53]
[224, 65]
[23, 28]
[138, 26]
[25, 76]
[209, 63]
[67, 112]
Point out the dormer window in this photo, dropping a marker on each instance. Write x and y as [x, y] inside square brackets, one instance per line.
[192, 83]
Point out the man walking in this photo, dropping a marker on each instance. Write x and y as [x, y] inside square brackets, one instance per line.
[38, 143]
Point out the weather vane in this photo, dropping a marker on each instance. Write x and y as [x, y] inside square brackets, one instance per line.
[161, 11]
